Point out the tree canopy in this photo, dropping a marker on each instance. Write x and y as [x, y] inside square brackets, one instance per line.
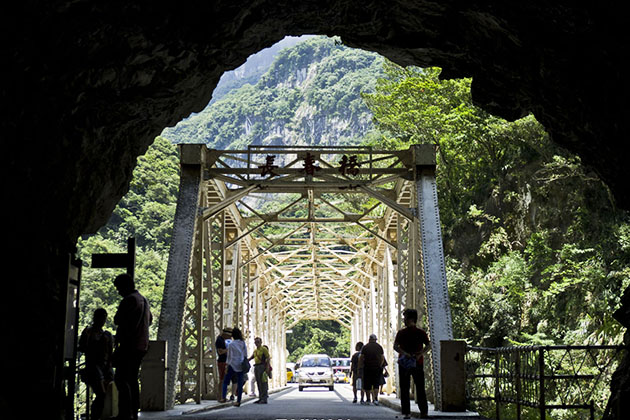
[535, 248]
[315, 337]
[309, 95]
[536, 251]
[145, 213]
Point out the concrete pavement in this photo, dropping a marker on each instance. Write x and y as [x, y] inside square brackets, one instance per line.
[390, 401]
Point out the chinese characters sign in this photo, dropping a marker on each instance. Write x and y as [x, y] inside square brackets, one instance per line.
[348, 165]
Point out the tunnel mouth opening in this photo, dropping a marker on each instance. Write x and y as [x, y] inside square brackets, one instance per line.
[59, 76]
[284, 249]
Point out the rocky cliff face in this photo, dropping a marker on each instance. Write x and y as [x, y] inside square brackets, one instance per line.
[88, 85]
[255, 66]
[310, 94]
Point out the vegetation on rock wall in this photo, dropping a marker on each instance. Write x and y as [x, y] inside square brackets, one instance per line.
[309, 95]
[536, 250]
[145, 213]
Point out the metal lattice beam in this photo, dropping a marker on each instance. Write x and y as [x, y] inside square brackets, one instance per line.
[283, 234]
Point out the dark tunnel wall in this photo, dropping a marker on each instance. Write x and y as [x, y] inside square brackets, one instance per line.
[88, 85]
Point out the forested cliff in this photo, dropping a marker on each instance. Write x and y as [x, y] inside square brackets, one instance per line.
[309, 95]
[536, 250]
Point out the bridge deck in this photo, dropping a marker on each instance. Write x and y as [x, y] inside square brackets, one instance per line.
[390, 401]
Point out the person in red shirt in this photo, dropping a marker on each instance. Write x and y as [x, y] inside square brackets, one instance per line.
[411, 343]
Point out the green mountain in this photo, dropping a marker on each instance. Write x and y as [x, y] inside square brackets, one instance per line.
[310, 95]
[254, 68]
[536, 252]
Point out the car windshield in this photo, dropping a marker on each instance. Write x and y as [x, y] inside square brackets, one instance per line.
[316, 362]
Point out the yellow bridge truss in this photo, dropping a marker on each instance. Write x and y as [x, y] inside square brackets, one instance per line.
[269, 236]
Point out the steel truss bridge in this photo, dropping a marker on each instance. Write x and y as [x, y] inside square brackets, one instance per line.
[269, 236]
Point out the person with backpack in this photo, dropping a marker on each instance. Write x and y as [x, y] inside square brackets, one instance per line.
[261, 366]
[372, 359]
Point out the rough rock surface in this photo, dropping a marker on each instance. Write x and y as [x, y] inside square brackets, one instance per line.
[88, 85]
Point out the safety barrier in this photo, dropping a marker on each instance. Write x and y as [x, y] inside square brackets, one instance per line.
[540, 381]
[81, 409]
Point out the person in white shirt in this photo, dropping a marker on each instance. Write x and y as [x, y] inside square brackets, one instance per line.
[236, 354]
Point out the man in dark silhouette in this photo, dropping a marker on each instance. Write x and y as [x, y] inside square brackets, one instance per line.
[97, 345]
[221, 347]
[132, 318]
[356, 373]
[372, 358]
[411, 343]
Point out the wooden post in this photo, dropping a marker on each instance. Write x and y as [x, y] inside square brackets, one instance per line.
[73, 290]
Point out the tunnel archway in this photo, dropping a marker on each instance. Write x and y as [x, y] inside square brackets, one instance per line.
[100, 81]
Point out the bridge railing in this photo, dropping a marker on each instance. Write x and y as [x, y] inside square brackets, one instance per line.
[81, 408]
[544, 382]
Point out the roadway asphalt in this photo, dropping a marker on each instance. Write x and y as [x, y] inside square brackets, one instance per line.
[290, 404]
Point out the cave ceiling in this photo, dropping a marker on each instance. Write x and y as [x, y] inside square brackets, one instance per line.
[90, 84]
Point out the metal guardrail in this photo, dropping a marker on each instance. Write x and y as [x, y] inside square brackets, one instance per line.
[81, 409]
[534, 381]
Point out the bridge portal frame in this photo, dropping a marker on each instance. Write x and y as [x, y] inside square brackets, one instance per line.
[219, 274]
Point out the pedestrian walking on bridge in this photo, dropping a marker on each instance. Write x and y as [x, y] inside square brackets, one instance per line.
[261, 366]
[372, 358]
[412, 343]
[97, 345]
[133, 318]
[236, 355]
[356, 373]
[221, 344]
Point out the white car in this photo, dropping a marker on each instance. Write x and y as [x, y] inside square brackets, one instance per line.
[315, 370]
